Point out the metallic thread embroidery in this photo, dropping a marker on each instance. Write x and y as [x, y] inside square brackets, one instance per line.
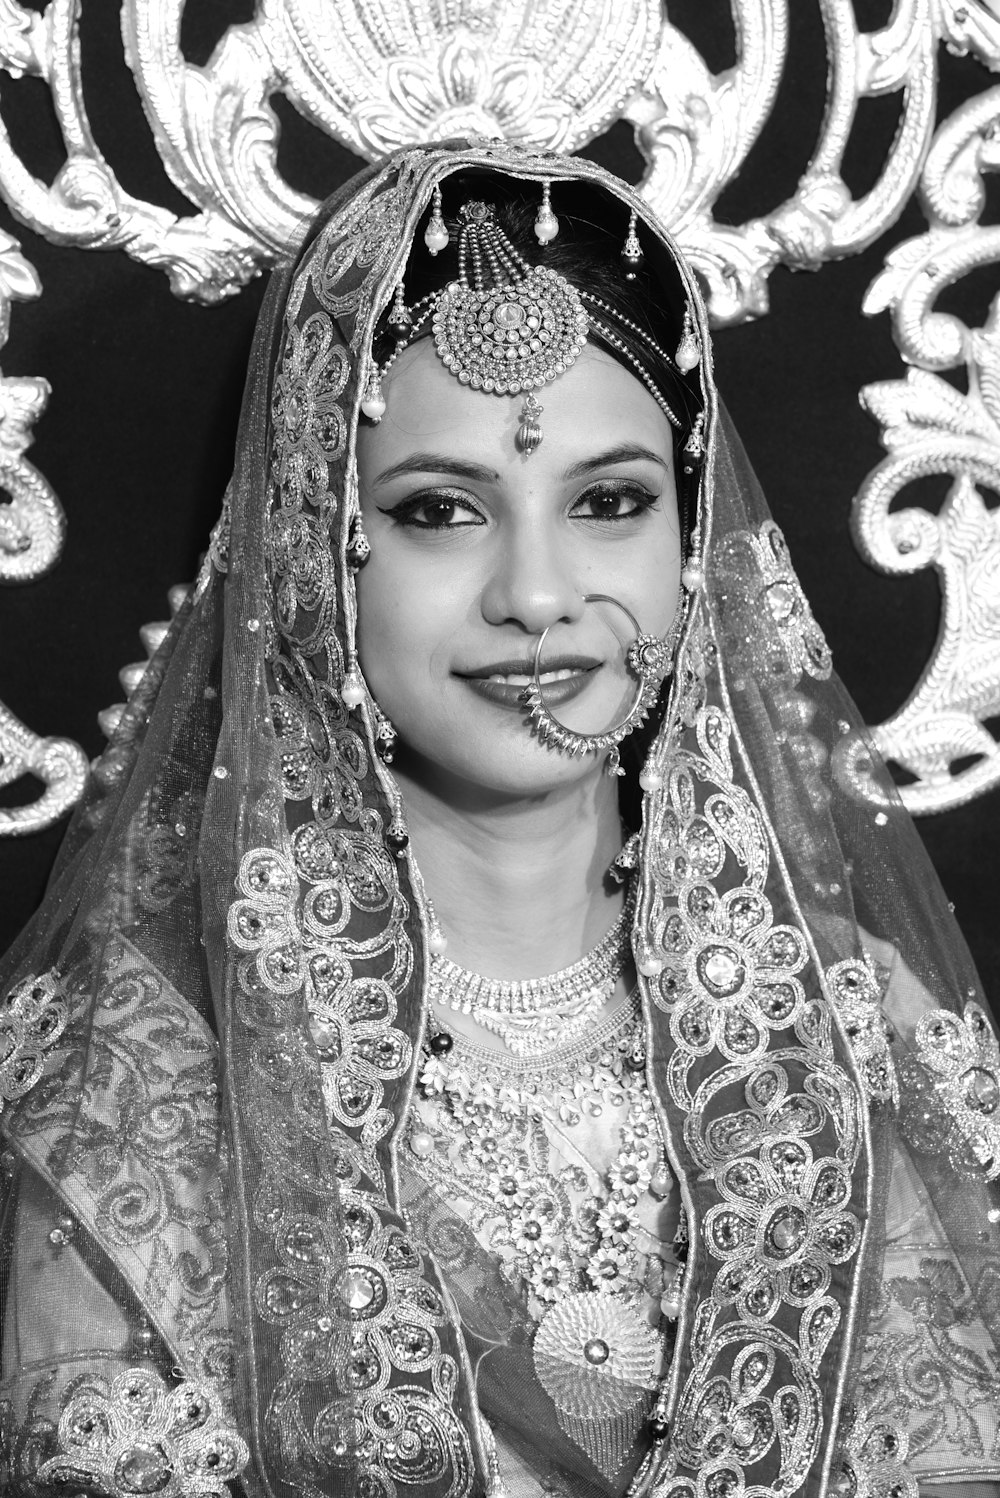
[33, 1015]
[857, 995]
[951, 1091]
[771, 1120]
[136, 1436]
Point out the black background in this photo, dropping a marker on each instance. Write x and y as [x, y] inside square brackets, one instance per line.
[137, 439]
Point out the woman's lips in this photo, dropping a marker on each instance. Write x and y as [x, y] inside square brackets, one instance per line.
[504, 682]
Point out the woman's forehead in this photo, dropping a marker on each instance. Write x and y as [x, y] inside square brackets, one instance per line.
[594, 404]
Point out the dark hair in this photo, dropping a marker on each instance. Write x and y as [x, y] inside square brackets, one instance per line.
[589, 255]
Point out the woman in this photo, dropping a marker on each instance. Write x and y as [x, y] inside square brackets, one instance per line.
[395, 1101]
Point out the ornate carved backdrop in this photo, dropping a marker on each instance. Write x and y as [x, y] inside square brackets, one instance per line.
[249, 112]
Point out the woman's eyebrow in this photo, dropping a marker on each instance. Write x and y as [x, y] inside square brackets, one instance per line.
[624, 452]
[438, 463]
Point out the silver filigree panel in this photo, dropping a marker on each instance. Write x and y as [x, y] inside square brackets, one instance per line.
[555, 73]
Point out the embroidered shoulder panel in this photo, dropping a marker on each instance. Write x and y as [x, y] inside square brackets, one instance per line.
[753, 1076]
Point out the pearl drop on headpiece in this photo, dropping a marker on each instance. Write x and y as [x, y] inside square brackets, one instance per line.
[688, 352]
[436, 234]
[373, 401]
[352, 693]
[546, 224]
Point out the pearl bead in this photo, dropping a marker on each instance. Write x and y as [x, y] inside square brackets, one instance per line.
[441, 1043]
[373, 406]
[670, 1305]
[352, 693]
[596, 1351]
[437, 942]
[650, 780]
[422, 1145]
[650, 965]
[546, 226]
[692, 577]
[436, 237]
[661, 1183]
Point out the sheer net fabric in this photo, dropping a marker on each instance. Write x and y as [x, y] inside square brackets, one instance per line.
[219, 1263]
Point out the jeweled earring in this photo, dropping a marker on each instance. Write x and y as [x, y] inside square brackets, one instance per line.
[688, 350]
[632, 250]
[436, 234]
[358, 545]
[546, 223]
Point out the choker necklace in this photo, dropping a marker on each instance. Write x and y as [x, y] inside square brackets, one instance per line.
[535, 1015]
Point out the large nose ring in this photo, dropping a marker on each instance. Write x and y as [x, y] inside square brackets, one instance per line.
[648, 658]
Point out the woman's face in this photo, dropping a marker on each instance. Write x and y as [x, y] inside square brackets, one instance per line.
[477, 548]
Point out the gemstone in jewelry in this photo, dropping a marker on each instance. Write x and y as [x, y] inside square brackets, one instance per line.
[596, 1350]
[787, 1232]
[356, 1290]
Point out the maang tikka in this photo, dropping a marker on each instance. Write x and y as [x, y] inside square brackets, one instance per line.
[505, 326]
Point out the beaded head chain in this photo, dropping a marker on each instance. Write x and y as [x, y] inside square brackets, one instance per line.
[509, 327]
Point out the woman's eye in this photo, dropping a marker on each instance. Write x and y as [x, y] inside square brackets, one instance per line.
[434, 512]
[614, 502]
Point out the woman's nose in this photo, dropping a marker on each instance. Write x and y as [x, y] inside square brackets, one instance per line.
[532, 583]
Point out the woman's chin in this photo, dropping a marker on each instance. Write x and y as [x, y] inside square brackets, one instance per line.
[499, 772]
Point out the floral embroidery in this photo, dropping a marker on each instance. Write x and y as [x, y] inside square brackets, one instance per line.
[951, 1091]
[781, 1227]
[931, 1369]
[309, 426]
[726, 1422]
[759, 584]
[857, 994]
[136, 1435]
[133, 1148]
[774, 1178]
[874, 1456]
[33, 1015]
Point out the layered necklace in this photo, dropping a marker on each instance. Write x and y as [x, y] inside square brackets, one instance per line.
[535, 1015]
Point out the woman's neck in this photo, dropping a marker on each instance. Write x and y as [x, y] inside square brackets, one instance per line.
[520, 887]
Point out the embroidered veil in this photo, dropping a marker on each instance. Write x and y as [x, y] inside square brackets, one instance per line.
[215, 1260]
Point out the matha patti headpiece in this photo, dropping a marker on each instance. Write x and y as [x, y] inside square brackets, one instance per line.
[517, 333]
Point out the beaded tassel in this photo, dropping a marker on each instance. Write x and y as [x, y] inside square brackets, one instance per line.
[400, 320]
[632, 250]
